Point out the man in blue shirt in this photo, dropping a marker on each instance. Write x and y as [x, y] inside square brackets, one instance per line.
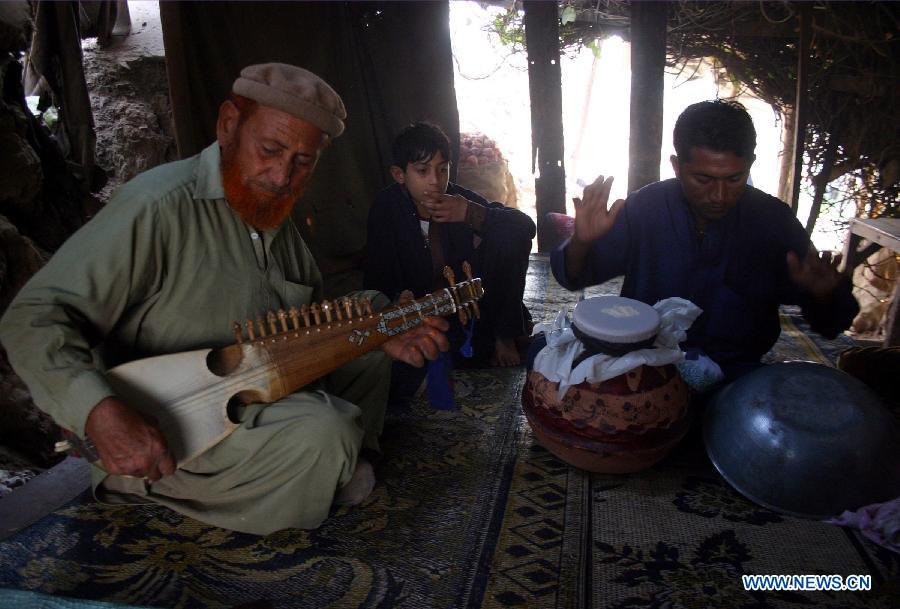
[707, 236]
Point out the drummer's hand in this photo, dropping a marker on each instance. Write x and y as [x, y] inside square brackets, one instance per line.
[127, 442]
[421, 343]
[817, 274]
[592, 218]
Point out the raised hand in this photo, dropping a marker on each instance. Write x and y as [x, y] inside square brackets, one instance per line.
[592, 221]
[421, 343]
[445, 208]
[592, 218]
[127, 442]
[817, 274]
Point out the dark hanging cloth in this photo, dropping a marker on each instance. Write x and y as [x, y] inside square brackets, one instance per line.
[390, 62]
[54, 70]
[55, 56]
[100, 17]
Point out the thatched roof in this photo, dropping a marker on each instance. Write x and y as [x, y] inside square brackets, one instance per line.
[853, 81]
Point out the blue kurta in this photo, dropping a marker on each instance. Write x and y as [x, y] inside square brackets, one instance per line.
[737, 272]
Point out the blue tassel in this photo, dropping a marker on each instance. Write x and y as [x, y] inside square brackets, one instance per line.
[439, 384]
[466, 349]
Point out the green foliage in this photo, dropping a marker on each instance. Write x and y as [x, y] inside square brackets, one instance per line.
[510, 28]
[43, 111]
[573, 35]
[754, 46]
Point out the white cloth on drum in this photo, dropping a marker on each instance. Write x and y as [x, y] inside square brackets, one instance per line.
[555, 360]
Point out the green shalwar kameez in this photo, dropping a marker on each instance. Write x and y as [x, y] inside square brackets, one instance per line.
[167, 266]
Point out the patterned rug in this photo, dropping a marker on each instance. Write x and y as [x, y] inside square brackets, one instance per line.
[420, 540]
[674, 536]
[471, 512]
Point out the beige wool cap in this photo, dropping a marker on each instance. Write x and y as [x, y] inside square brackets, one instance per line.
[296, 91]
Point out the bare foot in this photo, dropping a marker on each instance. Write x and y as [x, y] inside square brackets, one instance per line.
[505, 353]
[359, 487]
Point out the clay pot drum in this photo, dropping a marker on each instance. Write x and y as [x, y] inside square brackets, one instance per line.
[621, 425]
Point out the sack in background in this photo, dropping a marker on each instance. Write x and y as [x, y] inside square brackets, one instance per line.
[483, 169]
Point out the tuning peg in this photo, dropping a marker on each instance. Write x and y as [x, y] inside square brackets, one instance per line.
[295, 317]
[357, 305]
[238, 334]
[367, 303]
[270, 317]
[282, 317]
[467, 269]
[449, 275]
[347, 304]
[473, 304]
[251, 332]
[338, 303]
[470, 287]
[261, 327]
[463, 315]
[304, 311]
[315, 310]
[326, 309]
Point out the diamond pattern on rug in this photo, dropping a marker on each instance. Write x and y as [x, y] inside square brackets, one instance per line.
[531, 549]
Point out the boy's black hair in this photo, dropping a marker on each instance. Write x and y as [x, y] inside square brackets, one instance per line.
[720, 126]
[419, 142]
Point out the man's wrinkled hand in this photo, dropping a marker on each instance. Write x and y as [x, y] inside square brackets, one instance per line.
[817, 274]
[592, 218]
[424, 342]
[127, 442]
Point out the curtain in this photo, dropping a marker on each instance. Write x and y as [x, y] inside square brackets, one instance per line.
[391, 63]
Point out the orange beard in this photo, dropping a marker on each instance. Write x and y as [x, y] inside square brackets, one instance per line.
[258, 207]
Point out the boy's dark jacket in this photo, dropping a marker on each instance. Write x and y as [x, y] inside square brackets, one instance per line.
[397, 257]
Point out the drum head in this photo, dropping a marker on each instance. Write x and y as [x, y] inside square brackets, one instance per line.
[615, 319]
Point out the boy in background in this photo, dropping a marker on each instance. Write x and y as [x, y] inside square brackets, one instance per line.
[424, 222]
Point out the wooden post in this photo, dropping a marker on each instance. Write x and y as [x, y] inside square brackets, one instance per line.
[786, 162]
[648, 62]
[822, 179]
[892, 320]
[545, 89]
[800, 103]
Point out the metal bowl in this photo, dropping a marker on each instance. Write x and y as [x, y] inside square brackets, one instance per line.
[804, 439]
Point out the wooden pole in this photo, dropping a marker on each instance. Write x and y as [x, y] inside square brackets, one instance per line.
[786, 160]
[545, 89]
[822, 179]
[800, 103]
[648, 62]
